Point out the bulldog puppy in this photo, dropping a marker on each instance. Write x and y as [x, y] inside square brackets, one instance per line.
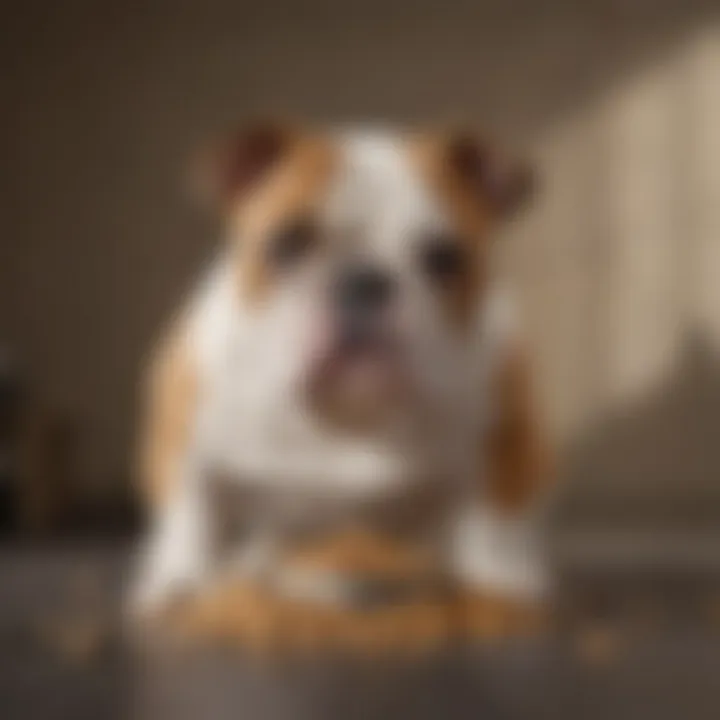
[348, 363]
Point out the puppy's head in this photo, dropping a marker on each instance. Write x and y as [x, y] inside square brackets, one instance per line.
[360, 260]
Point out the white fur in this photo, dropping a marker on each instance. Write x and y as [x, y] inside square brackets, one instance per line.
[252, 425]
[500, 553]
[176, 556]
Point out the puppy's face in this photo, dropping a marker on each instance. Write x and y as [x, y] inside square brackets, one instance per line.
[360, 264]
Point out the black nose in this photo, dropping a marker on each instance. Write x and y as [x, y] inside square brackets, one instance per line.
[363, 289]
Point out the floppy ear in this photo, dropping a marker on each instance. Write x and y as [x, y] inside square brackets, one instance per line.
[503, 184]
[223, 172]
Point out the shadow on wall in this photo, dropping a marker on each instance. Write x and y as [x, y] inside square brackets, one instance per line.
[652, 469]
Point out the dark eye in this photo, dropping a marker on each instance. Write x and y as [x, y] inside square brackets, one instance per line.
[291, 242]
[443, 258]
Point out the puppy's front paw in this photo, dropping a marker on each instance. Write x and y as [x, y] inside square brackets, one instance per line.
[500, 555]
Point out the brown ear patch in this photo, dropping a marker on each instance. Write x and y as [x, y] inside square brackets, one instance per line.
[265, 178]
[470, 219]
[478, 187]
[240, 160]
[291, 191]
[502, 184]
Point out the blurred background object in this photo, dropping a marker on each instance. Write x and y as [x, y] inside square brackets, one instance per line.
[9, 421]
[49, 480]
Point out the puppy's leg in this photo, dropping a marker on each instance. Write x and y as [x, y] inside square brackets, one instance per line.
[178, 554]
[174, 555]
[517, 456]
[499, 552]
[169, 413]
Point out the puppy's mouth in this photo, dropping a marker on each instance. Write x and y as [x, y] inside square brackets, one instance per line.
[358, 372]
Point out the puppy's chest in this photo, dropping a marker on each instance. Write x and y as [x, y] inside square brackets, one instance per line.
[272, 443]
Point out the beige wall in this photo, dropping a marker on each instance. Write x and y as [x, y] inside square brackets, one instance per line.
[104, 101]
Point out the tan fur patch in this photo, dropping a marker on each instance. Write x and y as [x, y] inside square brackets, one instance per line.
[294, 187]
[472, 219]
[360, 551]
[517, 453]
[249, 616]
[170, 396]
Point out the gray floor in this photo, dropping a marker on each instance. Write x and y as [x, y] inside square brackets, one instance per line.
[671, 672]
